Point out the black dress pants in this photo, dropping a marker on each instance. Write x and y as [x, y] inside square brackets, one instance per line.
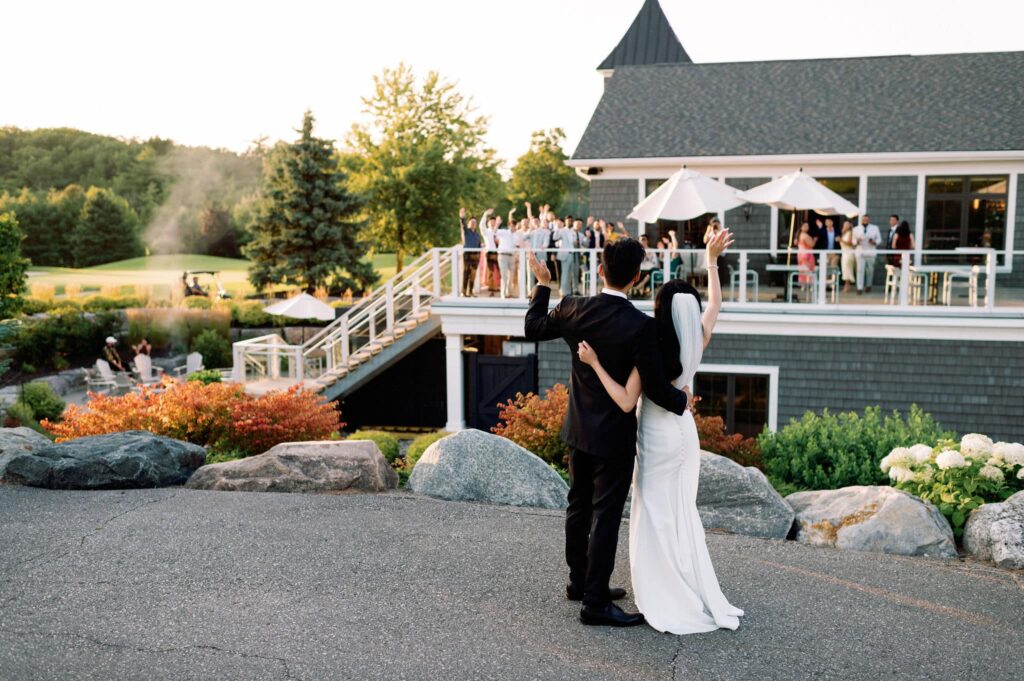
[597, 492]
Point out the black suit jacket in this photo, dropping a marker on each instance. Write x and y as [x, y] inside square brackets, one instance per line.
[623, 337]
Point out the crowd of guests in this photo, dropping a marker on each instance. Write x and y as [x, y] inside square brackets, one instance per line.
[495, 248]
[856, 249]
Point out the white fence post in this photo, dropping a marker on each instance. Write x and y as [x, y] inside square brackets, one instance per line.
[523, 268]
[666, 266]
[823, 278]
[435, 263]
[990, 280]
[904, 280]
[458, 262]
[238, 363]
[389, 294]
[743, 277]
[344, 341]
[594, 254]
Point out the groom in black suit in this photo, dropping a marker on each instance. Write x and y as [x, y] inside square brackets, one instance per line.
[601, 437]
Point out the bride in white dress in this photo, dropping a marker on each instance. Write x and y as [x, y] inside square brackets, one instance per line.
[673, 580]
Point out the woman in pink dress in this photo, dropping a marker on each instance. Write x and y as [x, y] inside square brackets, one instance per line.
[805, 255]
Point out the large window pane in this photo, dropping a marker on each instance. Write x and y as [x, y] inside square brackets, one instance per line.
[945, 185]
[740, 400]
[965, 212]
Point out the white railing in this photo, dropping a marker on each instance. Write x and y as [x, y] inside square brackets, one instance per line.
[376, 319]
[921, 277]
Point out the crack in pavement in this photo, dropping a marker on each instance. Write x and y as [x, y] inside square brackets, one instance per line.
[157, 651]
[675, 658]
[99, 528]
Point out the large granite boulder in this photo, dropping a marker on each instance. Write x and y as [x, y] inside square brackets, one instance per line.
[14, 441]
[328, 466]
[740, 500]
[116, 461]
[475, 466]
[879, 519]
[995, 532]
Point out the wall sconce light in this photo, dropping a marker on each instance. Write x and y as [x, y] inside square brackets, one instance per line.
[746, 212]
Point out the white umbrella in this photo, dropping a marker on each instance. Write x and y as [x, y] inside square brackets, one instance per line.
[302, 306]
[799, 191]
[684, 196]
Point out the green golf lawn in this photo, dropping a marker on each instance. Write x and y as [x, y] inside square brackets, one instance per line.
[162, 272]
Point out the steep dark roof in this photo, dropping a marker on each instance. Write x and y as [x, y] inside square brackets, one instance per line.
[649, 40]
[950, 102]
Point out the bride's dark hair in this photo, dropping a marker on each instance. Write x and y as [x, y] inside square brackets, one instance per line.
[668, 338]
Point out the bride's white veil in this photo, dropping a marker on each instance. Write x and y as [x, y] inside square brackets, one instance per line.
[687, 321]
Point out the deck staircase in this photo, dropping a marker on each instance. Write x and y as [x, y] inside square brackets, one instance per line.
[372, 335]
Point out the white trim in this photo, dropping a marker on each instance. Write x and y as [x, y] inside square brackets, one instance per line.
[796, 159]
[772, 372]
[506, 318]
[1011, 220]
[862, 193]
[919, 219]
[455, 383]
[774, 218]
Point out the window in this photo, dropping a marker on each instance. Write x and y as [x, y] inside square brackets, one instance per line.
[846, 187]
[965, 212]
[745, 397]
[689, 233]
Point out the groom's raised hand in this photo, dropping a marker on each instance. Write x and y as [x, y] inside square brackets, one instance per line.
[539, 269]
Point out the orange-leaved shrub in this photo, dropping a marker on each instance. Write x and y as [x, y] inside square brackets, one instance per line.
[219, 416]
[535, 423]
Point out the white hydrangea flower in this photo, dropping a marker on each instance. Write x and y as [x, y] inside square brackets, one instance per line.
[925, 475]
[1020, 474]
[901, 456]
[901, 474]
[976, 445]
[950, 459]
[1010, 452]
[922, 453]
[886, 463]
[991, 473]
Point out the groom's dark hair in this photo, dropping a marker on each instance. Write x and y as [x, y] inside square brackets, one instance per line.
[621, 260]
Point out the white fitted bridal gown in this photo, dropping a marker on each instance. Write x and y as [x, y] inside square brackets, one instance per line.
[673, 580]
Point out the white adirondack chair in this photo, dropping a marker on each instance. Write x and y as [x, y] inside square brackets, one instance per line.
[145, 372]
[105, 380]
[193, 363]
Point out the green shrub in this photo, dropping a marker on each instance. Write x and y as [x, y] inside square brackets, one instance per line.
[106, 303]
[77, 337]
[225, 455]
[250, 314]
[829, 451]
[206, 376]
[28, 368]
[419, 445]
[22, 413]
[197, 303]
[41, 401]
[35, 305]
[214, 347]
[65, 305]
[386, 442]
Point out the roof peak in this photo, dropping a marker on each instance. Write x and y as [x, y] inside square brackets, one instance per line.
[649, 40]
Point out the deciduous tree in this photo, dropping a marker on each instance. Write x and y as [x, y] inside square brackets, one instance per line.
[12, 266]
[540, 175]
[419, 158]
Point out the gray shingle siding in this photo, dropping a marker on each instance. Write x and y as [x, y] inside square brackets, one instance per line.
[885, 196]
[612, 200]
[942, 102]
[974, 386]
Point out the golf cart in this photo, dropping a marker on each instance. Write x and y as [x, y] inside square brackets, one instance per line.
[195, 289]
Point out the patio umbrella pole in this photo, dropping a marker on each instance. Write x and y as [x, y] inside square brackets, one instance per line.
[789, 246]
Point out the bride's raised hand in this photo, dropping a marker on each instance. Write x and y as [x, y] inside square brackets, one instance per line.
[718, 243]
[586, 353]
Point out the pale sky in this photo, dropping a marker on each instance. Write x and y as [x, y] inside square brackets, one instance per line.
[223, 73]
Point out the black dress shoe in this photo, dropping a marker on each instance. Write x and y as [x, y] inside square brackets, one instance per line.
[609, 615]
[576, 594]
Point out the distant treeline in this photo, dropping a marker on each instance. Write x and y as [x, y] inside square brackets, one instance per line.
[84, 199]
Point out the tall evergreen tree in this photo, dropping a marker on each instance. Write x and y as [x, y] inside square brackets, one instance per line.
[306, 229]
[12, 266]
[108, 230]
